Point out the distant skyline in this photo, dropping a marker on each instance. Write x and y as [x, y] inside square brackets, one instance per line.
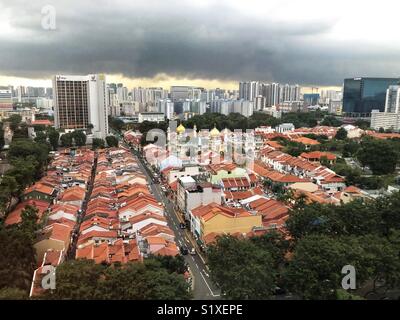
[161, 81]
[207, 43]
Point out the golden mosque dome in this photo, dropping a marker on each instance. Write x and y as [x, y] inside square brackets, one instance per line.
[180, 129]
[214, 132]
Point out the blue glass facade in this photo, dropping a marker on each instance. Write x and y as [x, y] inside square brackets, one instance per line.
[362, 95]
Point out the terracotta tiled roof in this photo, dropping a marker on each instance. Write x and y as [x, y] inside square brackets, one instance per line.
[318, 155]
[40, 187]
[306, 141]
[222, 166]
[73, 194]
[42, 122]
[112, 234]
[57, 231]
[229, 183]
[274, 144]
[153, 229]
[169, 250]
[145, 216]
[209, 211]
[352, 189]
[15, 215]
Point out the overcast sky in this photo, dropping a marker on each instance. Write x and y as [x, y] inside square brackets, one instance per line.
[204, 41]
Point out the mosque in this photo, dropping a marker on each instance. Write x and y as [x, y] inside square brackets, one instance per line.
[193, 143]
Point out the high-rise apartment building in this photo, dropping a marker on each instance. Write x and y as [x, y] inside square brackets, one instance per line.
[167, 107]
[274, 93]
[80, 101]
[122, 94]
[392, 103]
[390, 119]
[149, 95]
[179, 93]
[6, 99]
[249, 90]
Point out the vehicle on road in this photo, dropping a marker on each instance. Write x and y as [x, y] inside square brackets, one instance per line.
[193, 252]
[184, 251]
[182, 225]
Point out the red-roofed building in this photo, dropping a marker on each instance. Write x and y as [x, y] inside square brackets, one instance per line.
[52, 258]
[118, 251]
[44, 122]
[306, 141]
[219, 219]
[56, 236]
[97, 237]
[15, 216]
[142, 220]
[40, 191]
[317, 156]
[274, 212]
[139, 204]
[235, 184]
[73, 196]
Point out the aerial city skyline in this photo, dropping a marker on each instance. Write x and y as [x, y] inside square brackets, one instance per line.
[279, 42]
[222, 151]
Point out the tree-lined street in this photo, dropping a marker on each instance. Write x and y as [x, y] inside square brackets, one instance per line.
[203, 286]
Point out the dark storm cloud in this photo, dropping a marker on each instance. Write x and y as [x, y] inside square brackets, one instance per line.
[146, 38]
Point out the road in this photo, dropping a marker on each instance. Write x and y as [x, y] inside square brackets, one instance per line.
[204, 289]
[75, 233]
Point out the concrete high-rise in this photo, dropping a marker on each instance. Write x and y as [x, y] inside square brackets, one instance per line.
[249, 90]
[6, 99]
[80, 101]
[392, 103]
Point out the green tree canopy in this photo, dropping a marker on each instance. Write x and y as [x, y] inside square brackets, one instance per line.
[67, 140]
[112, 141]
[341, 134]
[15, 121]
[83, 279]
[378, 155]
[17, 258]
[241, 269]
[79, 137]
[54, 137]
[41, 137]
[314, 271]
[331, 121]
[98, 144]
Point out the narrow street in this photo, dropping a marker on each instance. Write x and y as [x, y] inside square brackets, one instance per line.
[203, 286]
[82, 213]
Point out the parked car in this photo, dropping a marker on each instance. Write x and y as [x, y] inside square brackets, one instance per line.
[193, 251]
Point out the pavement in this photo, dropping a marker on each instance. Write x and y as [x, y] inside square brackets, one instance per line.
[203, 289]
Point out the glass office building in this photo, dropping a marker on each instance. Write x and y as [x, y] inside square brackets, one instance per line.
[362, 95]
